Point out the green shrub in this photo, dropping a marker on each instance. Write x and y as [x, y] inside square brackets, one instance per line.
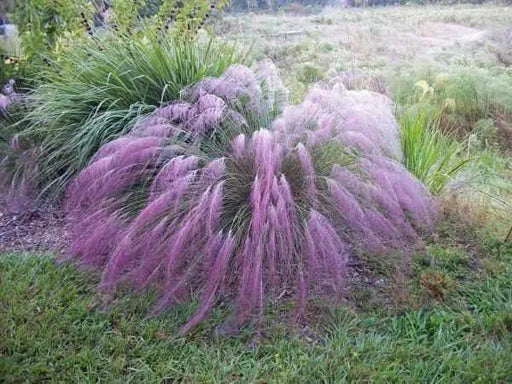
[185, 17]
[46, 26]
[99, 88]
[309, 74]
[464, 96]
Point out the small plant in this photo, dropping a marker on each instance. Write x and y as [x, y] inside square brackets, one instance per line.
[309, 74]
[433, 157]
[436, 283]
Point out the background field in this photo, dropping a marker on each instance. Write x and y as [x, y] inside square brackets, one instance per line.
[388, 42]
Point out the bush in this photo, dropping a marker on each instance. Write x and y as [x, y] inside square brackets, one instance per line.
[208, 197]
[309, 74]
[299, 7]
[17, 163]
[44, 27]
[99, 89]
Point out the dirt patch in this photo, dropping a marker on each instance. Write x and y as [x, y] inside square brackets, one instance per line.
[39, 229]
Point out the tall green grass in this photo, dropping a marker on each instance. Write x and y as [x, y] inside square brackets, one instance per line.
[432, 156]
[98, 90]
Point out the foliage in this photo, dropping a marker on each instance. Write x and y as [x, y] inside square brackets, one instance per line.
[275, 4]
[463, 98]
[187, 16]
[433, 157]
[200, 199]
[99, 88]
[182, 17]
[46, 26]
[309, 74]
[10, 52]
[6, 7]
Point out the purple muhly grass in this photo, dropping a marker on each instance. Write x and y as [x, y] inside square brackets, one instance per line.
[264, 218]
[238, 145]
[109, 175]
[360, 119]
[176, 169]
[189, 244]
[183, 242]
[275, 94]
[4, 103]
[354, 217]
[8, 97]
[220, 261]
[266, 160]
[94, 237]
[408, 193]
[310, 172]
[240, 99]
[331, 252]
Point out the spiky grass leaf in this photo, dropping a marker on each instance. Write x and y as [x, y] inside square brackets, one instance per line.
[432, 156]
[99, 89]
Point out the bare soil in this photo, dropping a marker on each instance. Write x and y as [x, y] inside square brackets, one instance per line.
[40, 229]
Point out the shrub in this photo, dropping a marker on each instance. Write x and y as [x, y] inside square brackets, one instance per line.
[183, 17]
[45, 25]
[48, 27]
[17, 163]
[297, 7]
[99, 88]
[309, 74]
[207, 197]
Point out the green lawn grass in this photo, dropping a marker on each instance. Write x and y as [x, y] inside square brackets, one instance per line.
[51, 331]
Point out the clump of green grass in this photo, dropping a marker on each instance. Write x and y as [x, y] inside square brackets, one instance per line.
[99, 89]
[432, 156]
[309, 74]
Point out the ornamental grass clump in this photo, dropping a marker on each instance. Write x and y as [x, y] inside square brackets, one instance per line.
[100, 88]
[432, 156]
[209, 199]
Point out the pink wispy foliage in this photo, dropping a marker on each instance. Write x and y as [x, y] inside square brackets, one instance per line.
[361, 119]
[240, 98]
[266, 219]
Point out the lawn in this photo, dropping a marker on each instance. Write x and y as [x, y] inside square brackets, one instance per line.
[53, 331]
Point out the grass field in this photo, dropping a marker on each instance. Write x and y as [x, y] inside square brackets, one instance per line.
[387, 42]
[447, 318]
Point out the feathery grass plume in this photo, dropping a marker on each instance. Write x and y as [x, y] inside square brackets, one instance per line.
[361, 119]
[100, 89]
[191, 207]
